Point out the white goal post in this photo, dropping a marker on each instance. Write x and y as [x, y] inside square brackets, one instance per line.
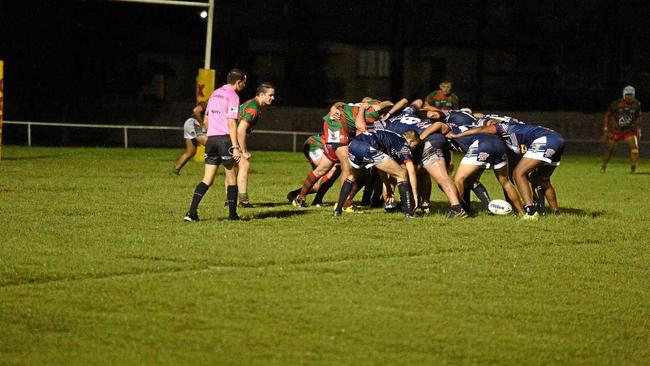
[209, 5]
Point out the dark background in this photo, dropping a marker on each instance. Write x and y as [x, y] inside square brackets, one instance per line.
[80, 61]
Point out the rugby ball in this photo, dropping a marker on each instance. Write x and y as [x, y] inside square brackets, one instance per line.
[500, 207]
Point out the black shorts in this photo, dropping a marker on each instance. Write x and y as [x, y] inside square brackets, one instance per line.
[217, 151]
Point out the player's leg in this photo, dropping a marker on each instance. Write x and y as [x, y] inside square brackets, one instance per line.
[394, 169]
[463, 174]
[633, 144]
[242, 181]
[502, 176]
[424, 182]
[609, 150]
[543, 189]
[354, 157]
[438, 171]
[326, 182]
[231, 193]
[190, 151]
[210, 171]
[481, 192]
[313, 157]
[435, 151]
[324, 166]
[369, 187]
[346, 187]
[520, 174]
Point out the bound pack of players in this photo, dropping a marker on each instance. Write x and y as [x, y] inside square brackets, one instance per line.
[407, 139]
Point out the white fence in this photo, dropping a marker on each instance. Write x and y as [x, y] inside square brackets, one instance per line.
[126, 129]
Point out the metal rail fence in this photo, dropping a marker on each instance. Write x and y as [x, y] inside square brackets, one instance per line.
[126, 129]
[579, 146]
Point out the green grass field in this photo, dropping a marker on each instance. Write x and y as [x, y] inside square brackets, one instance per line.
[97, 267]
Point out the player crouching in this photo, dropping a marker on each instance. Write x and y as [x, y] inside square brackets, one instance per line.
[385, 150]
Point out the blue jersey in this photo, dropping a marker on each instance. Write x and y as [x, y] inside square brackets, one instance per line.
[456, 118]
[407, 119]
[459, 121]
[391, 143]
[516, 134]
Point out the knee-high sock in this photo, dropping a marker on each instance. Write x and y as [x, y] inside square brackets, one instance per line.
[307, 184]
[353, 192]
[325, 185]
[466, 199]
[479, 190]
[406, 196]
[345, 191]
[232, 200]
[199, 192]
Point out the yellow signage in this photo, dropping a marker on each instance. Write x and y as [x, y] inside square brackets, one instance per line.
[2, 93]
[204, 87]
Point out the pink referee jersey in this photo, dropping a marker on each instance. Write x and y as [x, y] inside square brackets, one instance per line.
[223, 104]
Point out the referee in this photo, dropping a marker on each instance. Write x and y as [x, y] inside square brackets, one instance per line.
[221, 147]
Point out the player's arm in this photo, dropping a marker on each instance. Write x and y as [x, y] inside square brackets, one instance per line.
[639, 121]
[385, 104]
[360, 119]
[435, 127]
[232, 131]
[488, 130]
[395, 108]
[242, 137]
[413, 179]
[606, 123]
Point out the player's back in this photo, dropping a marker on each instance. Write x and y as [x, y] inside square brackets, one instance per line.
[406, 120]
[458, 118]
[526, 134]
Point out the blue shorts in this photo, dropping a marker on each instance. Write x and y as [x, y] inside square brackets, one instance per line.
[547, 148]
[436, 148]
[486, 151]
[361, 154]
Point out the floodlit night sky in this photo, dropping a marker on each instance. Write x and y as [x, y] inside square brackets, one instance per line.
[56, 51]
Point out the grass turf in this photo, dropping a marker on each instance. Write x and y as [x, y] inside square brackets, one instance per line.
[97, 267]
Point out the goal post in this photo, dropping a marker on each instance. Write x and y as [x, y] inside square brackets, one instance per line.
[2, 94]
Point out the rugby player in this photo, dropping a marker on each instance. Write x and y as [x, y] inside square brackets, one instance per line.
[623, 122]
[458, 118]
[313, 151]
[249, 113]
[194, 136]
[385, 150]
[442, 99]
[543, 152]
[340, 124]
[435, 151]
[481, 152]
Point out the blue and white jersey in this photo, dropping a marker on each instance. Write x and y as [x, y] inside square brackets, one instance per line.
[517, 134]
[459, 121]
[407, 119]
[502, 119]
[389, 142]
[456, 118]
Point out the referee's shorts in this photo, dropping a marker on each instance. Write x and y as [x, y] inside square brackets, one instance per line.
[217, 151]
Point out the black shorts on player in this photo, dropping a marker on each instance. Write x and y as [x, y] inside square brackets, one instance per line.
[218, 151]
